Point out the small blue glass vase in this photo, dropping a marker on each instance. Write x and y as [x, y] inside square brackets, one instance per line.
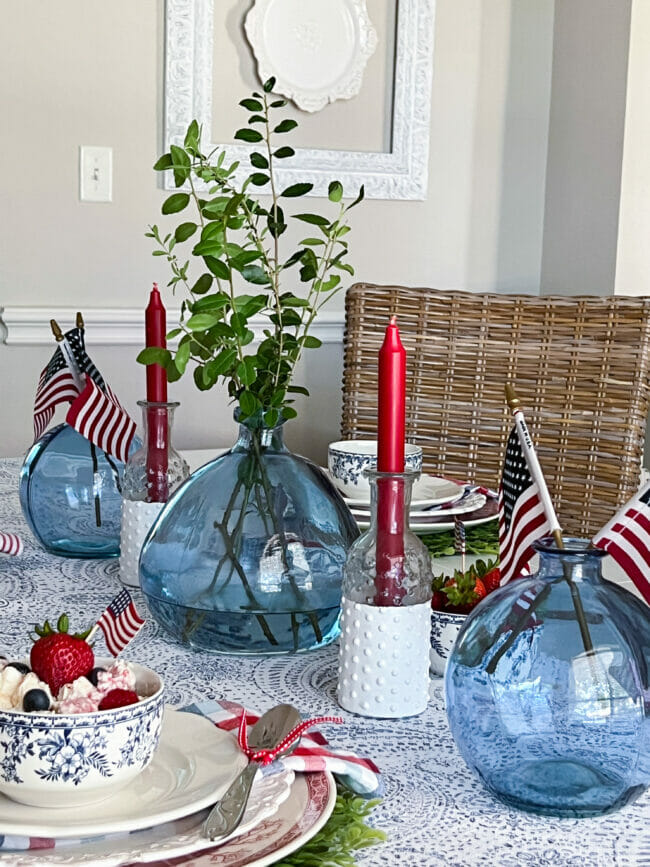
[247, 556]
[547, 688]
[69, 493]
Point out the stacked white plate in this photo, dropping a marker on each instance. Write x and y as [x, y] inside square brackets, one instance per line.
[433, 500]
[160, 814]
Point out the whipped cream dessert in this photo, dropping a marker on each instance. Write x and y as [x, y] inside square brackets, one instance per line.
[22, 690]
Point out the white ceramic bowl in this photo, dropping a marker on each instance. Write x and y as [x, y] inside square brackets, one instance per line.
[347, 460]
[445, 626]
[57, 760]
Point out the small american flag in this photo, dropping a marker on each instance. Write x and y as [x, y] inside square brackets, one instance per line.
[460, 542]
[99, 417]
[57, 384]
[522, 519]
[627, 538]
[120, 623]
[11, 544]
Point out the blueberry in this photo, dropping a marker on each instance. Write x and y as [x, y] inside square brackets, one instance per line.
[19, 666]
[36, 699]
[92, 675]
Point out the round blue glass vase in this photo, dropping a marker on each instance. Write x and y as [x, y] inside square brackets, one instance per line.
[547, 688]
[70, 496]
[247, 555]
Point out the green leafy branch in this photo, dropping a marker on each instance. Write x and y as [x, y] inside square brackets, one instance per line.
[237, 240]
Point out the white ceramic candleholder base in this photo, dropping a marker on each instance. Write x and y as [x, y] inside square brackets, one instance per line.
[384, 659]
[137, 518]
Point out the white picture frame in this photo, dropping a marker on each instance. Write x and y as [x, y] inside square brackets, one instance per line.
[400, 173]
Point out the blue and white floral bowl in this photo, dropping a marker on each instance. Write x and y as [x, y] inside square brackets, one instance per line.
[348, 459]
[445, 626]
[57, 760]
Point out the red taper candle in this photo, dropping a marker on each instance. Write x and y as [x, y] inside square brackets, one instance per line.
[157, 421]
[391, 423]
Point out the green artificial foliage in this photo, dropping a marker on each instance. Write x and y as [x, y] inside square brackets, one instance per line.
[482, 541]
[345, 832]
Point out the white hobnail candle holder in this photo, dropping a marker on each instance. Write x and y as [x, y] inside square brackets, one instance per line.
[383, 659]
[137, 519]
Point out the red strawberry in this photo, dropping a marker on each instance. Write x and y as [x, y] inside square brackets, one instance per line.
[492, 579]
[118, 698]
[439, 600]
[59, 658]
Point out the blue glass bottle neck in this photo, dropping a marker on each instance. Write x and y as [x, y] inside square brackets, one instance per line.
[263, 438]
[583, 565]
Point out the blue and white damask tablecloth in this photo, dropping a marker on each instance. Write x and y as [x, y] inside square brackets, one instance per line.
[434, 810]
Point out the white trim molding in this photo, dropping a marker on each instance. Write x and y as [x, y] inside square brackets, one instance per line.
[107, 326]
[399, 173]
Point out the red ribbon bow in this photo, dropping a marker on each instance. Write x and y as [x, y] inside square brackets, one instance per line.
[266, 757]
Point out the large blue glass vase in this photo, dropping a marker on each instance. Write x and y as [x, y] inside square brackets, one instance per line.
[547, 688]
[69, 493]
[247, 556]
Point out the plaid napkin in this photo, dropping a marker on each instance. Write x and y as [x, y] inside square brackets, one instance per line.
[10, 544]
[312, 754]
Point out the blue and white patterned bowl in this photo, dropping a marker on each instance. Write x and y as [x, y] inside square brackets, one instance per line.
[347, 460]
[445, 626]
[57, 760]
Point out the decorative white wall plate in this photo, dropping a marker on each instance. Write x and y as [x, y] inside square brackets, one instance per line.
[397, 173]
[317, 50]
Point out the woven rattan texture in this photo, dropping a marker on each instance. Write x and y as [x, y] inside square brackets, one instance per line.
[580, 366]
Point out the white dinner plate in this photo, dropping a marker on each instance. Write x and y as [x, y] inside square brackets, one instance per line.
[426, 491]
[469, 503]
[302, 814]
[191, 769]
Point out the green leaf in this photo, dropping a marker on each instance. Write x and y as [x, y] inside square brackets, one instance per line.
[271, 418]
[185, 231]
[192, 135]
[238, 324]
[269, 84]
[246, 371]
[256, 118]
[259, 179]
[335, 191]
[154, 355]
[289, 412]
[182, 164]
[255, 274]
[201, 321]
[284, 152]
[249, 135]
[202, 284]
[182, 355]
[279, 103]
[198, 378]
[218, 268]
[175, 203]
[211, 247]
[249, 305]
[310, 342]
[286, 125]
[289, 300]
[221, 364]
[313, 242]
[165, 162]
[298, 389]
[251, 104]
[211, 303]
[275, 222]
[259, 160]
[295, 257]
[241, 259]
[358, 199]
[297, 190]
[314, 219]
[248, 403]
[173, 333]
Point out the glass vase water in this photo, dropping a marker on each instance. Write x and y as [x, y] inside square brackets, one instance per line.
[247, 556]
[548, 688]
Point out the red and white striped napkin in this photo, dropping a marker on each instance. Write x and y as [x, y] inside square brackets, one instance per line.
[11, 544]
[314, 753]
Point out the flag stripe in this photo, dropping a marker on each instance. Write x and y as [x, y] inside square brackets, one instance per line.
[120, 622]
[11, 544]
[99, 417]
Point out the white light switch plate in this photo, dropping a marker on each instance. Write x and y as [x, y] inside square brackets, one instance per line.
[95, 174]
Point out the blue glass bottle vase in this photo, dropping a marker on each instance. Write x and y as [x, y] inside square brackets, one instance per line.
[547, 688]
[69, 493]
[247, 555]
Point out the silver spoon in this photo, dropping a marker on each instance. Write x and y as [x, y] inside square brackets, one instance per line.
[269, 731]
